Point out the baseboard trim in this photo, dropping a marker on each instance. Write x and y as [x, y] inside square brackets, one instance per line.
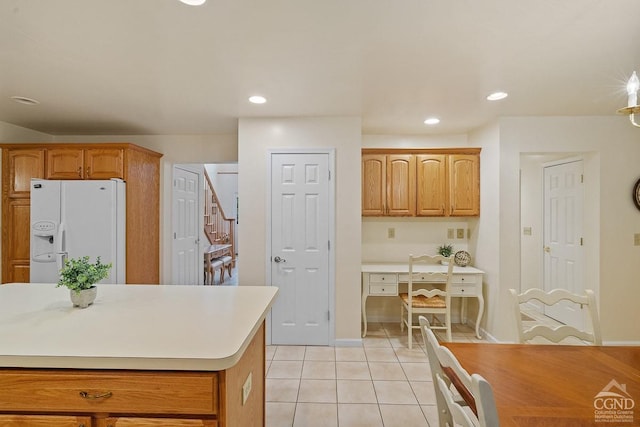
[622, 343]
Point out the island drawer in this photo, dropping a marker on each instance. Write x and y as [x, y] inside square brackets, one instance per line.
[153, 392]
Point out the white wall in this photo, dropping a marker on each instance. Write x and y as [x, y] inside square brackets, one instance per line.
[612, 150]
[255, 138]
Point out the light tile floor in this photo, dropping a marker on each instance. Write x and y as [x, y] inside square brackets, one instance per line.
[380, 384]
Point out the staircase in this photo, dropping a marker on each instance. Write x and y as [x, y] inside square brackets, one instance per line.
[217, 227]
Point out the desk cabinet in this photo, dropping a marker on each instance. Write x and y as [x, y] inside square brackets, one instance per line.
[388, 185]
[421, 182]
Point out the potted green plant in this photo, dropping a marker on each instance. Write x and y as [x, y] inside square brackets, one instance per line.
[80, 276]
[446, 251]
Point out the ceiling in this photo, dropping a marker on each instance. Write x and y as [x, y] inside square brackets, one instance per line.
[161, 67]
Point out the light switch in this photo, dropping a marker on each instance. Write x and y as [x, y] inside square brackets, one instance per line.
[449, 233]
[636, 239]
[391, 233]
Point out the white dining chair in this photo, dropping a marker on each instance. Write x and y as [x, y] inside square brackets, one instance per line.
[435, 301]
[556, 334]
[481, 411]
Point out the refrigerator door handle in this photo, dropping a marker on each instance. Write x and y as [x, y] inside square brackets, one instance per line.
[61, 253]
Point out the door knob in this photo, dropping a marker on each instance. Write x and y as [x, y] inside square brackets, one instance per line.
[279, 260]
[547, 249]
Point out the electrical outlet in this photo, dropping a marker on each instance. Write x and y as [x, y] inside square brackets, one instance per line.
[460, 233]
[391, 233]
[468, 233]
[449, 233]
[246, 389]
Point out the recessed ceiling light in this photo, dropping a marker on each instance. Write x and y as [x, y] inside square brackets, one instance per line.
[24, 100]
[257, 99]
[432, 121]
[193, 2]
[496, 96]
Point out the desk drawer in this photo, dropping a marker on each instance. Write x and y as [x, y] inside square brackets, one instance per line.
[378, 289]
[464, 279]
[458, 289]
[122, 392]
[383, 278]
[419, 277]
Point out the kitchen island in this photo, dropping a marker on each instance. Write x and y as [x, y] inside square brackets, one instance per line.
[139, 356]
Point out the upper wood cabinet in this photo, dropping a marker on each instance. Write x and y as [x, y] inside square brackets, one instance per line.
[89, 163]
[21, 167]
[139, 167]
[464, 185]
[431, 184]
[388, 185]
[421, 182]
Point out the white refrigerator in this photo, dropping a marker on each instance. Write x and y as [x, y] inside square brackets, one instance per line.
[72, 219]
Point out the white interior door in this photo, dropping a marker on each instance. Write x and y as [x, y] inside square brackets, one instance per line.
[300, 248]
[563, 252]
[188, 265]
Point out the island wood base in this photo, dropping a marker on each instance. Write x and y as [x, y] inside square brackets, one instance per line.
[126, 398]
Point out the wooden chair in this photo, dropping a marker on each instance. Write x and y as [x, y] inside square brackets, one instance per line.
[422, 301]
[556, 334]
[460, 397]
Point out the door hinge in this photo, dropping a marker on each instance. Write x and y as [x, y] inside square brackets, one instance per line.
[174, 235]
[328, 315]
[581, 178]
[329, 245]
[581, 242]
[329, 175]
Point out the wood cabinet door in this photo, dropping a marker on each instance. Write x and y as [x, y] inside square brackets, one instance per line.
[104, 163]
[16, 241]
[374, 175]
[431, 171]
[24, 165]
[65, 163]
[401, 185]
[464, 184]
[44, 421]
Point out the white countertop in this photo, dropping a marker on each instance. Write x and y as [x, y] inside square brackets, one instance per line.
[130, 326]
[388, 267]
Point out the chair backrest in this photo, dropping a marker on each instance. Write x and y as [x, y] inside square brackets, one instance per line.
[474, 389]
[443, 274]
[459, 415]
[557, 333]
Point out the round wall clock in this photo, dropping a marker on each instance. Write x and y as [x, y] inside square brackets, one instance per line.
[636, 194]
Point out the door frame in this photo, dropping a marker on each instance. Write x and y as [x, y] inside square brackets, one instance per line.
[198, 169]
[332, 217]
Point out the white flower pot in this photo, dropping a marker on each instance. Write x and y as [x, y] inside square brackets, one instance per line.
[84, 298]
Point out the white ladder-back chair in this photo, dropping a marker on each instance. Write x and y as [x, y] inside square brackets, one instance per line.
[556, 334]
[452, 400]
[423, 301]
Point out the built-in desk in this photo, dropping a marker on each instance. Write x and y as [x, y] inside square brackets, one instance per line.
[383, 279]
